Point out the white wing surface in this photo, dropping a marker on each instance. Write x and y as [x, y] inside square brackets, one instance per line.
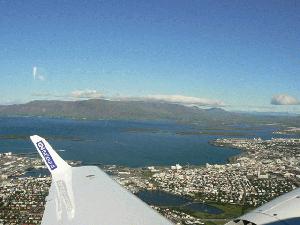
[87, 196]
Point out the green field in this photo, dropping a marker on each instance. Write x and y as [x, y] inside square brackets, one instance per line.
[229, 211]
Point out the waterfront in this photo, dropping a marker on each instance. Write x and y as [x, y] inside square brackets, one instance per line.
[187, 194]
[160, 198]
[128, 143]
[164, 199]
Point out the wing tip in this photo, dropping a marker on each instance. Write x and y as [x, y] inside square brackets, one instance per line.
[34, 137]
[52, 160]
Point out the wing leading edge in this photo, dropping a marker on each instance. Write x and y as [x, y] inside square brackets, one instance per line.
[284, 210]
[87, 195]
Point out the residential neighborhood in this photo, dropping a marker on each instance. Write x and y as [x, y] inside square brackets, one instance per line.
[264, 170]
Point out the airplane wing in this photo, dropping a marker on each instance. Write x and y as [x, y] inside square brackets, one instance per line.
[88, 196]
[284, 210]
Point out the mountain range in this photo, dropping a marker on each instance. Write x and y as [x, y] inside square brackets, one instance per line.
[137, 110]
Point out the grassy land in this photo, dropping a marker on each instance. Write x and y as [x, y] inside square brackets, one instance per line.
[229, 211]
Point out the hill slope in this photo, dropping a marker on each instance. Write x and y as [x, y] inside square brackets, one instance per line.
[134, 110]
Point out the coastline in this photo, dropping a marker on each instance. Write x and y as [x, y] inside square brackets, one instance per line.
[231, 159]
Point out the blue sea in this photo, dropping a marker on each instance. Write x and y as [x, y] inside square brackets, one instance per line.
[126, 143]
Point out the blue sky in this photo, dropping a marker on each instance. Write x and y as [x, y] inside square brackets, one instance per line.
[239, 53]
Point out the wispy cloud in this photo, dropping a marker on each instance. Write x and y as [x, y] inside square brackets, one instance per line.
[74, 95]
[188, 100]
[86, 94]
[284, 99]
[34, 69]
[36, 75]
[94, 94]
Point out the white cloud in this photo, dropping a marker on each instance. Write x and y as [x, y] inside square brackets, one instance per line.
[36, 75]
[284, 99]
[34, 69]
[181, 99]
[41, 77]
[94, 94]
[87, 94]
[74, 95]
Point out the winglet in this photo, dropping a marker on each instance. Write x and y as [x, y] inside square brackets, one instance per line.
[53, 161]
